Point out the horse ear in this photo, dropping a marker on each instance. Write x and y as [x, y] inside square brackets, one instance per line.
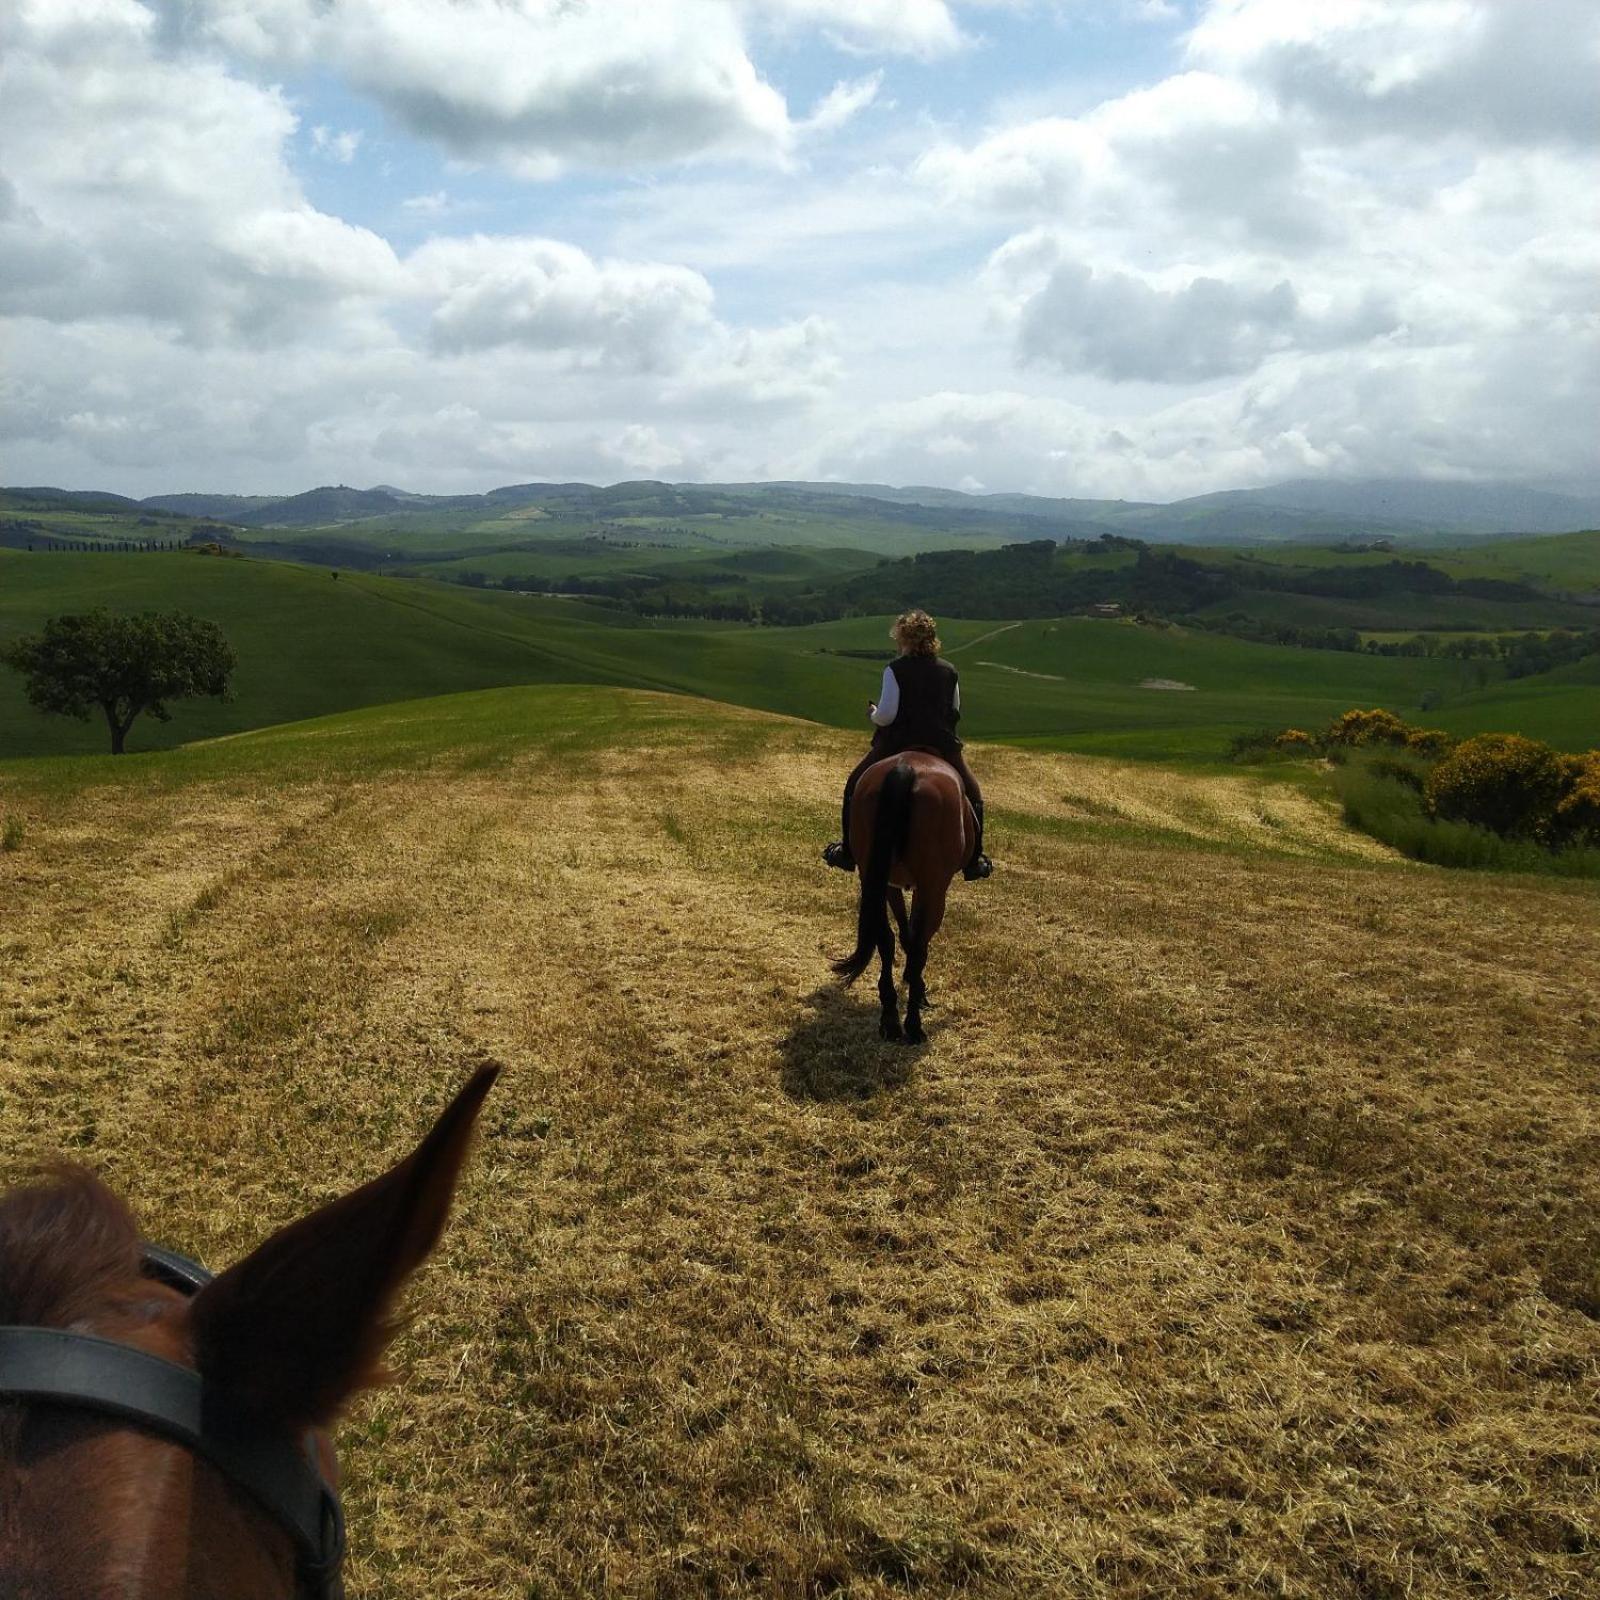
[287, 1335]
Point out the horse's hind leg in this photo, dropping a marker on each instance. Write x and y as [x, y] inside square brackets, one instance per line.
[897, 904]
[889, 1020]
[917, 994]
[926, 916]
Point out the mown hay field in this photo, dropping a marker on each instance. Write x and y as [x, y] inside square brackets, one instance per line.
[1233, 1234]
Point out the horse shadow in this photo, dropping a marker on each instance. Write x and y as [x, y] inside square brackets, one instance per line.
[833, 1052]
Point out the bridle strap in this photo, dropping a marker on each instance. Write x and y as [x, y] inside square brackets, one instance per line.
[101, 1375]
[177, 1271]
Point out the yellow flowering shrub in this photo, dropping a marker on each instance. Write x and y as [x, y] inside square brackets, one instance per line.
[1428, 741]
[1577, 815]
[1365, 727]
[1500, 781]
[1295, 739]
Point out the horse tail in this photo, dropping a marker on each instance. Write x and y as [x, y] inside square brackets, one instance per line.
[890, 829]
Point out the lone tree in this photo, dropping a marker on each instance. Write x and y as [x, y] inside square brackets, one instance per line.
[125, 665]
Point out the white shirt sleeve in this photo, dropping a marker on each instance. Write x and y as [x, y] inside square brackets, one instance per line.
[888, 699]
[956, 702]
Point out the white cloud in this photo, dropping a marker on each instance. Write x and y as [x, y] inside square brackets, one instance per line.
[545, 295]
[161, 190]
[842, 102]
[1123, 326]
[1354, 238]
[427, 205]
[340, 146]
[1210, 154]
[640, 449]
[923, 28]
[538, 85]
[1506, 71]
[781, 367]
[155, 242]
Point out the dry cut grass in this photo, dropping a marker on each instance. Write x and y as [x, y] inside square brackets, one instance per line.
[1233, 1235]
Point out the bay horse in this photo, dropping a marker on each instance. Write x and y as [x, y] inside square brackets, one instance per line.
[911, 827]
[163, 1434]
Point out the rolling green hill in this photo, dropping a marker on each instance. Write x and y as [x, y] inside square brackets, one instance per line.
[873, 516]
[309, 643]
[1559, 562]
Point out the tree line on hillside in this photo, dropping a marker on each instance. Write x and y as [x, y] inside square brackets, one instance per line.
[25, 533]
[1520, 655]
[1043, 578]
[1374, 580]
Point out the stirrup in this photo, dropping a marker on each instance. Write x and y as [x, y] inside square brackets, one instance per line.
[838, 855]
[979, 866]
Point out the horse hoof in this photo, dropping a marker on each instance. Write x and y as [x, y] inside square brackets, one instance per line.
[889, 1028]
[914, 1033]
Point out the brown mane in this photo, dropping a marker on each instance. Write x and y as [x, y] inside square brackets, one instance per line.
[65, 1241]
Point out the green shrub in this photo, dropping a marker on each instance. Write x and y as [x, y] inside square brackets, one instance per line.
[1253, 746]
[1392, 811]
[1400, 771]
[1500, 781]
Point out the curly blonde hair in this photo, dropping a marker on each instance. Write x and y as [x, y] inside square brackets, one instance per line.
[916, 633]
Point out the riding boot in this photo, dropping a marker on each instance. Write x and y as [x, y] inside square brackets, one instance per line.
[978, 864]
[838, 853]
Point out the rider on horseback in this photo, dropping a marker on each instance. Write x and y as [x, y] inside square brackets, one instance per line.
[917, 708]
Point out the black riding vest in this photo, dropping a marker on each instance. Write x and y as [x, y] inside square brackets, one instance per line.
[927, 713]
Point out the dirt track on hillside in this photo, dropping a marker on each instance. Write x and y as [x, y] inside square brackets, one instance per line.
[1233, 1234]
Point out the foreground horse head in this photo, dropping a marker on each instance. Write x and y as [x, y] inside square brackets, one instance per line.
[911, 827]
[157, 1444]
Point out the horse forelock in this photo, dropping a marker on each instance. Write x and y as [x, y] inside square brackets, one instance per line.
[65, 1243]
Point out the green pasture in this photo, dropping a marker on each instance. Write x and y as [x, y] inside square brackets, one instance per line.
[1077, 684]
[307, 643]
[310, 644]
[1562, 561]
[1561, 707]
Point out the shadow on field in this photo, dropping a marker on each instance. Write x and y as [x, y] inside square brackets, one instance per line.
[834, 1053]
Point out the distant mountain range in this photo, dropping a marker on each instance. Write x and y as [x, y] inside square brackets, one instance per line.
[1406, 506]
[1406, 510]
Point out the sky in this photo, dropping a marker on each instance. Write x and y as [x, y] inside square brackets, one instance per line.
[1127, 248]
